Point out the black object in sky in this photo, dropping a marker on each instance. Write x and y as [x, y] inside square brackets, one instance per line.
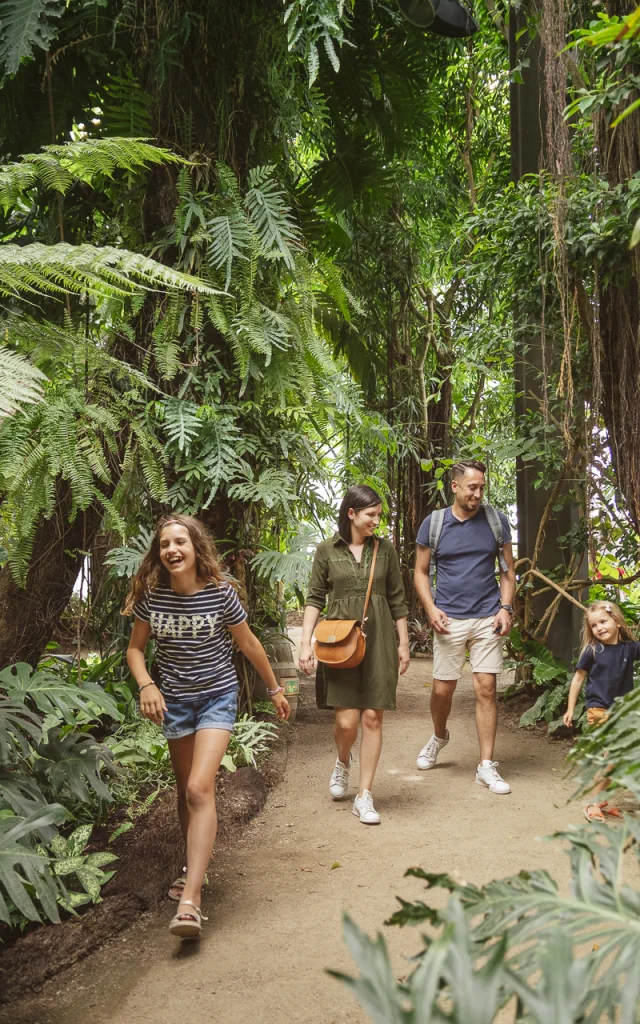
[444, 17]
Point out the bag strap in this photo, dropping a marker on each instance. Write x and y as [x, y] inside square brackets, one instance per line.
[495, 523]
[376, 542]
[435, 531]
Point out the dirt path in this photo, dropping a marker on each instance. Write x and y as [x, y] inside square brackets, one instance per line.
[276, 905]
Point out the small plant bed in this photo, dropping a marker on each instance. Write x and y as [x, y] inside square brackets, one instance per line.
[85, 800]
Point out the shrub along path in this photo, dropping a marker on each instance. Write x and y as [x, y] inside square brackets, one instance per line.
[276, 898]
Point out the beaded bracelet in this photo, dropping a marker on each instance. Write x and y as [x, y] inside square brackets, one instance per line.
[272, 693]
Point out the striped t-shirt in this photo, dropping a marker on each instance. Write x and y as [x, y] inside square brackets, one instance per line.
[193, 647]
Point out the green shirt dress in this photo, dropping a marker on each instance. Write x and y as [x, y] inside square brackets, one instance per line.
[340, 582]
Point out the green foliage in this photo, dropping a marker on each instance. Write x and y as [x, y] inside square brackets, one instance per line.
[291, 567]
[563, 957]
[54, 695]
[125, 560]
[611, 749]
[249, 739]
[314, 22]
[24, 25]
[124, 107]
[23, 868]
[60, 167]
[552, 675]
[20, 382]
[37, 270]
[71, 862]
[73, 763]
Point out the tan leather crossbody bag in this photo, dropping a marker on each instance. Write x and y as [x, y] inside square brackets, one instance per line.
[341, 643]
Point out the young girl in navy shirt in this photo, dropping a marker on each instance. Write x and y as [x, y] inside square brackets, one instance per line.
[180, 599]
[606, 663]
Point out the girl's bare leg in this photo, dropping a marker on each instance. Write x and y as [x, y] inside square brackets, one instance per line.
[181, 752]
[209, 747]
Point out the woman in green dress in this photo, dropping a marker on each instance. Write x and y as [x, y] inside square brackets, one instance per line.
[340, 576]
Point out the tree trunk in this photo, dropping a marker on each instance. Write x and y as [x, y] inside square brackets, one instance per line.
[28, 615]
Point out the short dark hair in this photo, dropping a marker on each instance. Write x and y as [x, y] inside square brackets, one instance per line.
[460, 468]
[357, 497]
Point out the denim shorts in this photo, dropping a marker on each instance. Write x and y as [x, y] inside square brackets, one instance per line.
[217, 712]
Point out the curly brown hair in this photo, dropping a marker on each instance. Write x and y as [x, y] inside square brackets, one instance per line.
[152, 572]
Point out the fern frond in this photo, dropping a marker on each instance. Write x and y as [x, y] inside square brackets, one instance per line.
[58, 167]
[125, 106]
[181, 423]
[19, 382]
[105, 272]
[229, 237]
[271, 215]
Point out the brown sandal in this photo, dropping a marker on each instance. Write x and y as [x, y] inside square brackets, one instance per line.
[613, 812]
[188, 924]
[593, 812]
[177, 888]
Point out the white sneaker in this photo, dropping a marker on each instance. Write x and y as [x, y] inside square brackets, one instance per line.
[487, 775]
[339, 781]
[364, 809]
[429, 753]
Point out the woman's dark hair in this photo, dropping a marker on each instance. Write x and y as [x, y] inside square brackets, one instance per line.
[358, 497]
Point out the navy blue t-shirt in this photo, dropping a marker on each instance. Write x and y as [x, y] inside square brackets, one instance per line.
[610, 668]
[466, 584]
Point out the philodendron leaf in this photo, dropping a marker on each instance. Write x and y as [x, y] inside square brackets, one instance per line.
[75, 761]
[23, 795]
[19, 728]
[52, 694]
[22, 867]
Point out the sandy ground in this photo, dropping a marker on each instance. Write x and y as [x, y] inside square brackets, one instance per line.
[275, 904]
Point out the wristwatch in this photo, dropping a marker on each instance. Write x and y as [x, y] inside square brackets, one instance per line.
[507, 608]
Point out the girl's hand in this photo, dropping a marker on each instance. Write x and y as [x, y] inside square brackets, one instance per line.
[567, 718]
[281, 704]
[306, 661]
[152, 705]
[404, 658]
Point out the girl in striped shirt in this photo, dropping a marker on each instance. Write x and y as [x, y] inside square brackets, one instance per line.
[180, 599]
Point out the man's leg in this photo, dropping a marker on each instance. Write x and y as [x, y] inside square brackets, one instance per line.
[448, 660]
[484, 684]
[440, 705]
[485, 654]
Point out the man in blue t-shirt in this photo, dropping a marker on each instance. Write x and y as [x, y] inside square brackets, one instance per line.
[469, 611]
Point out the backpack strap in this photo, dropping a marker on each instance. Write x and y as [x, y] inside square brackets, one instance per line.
[495, 522]
[435, 530]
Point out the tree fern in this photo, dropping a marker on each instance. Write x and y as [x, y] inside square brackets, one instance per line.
[20, 382]
[58, 167]
[25, 25]
[104, 272]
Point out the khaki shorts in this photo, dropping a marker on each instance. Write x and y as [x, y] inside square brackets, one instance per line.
[476, 635]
